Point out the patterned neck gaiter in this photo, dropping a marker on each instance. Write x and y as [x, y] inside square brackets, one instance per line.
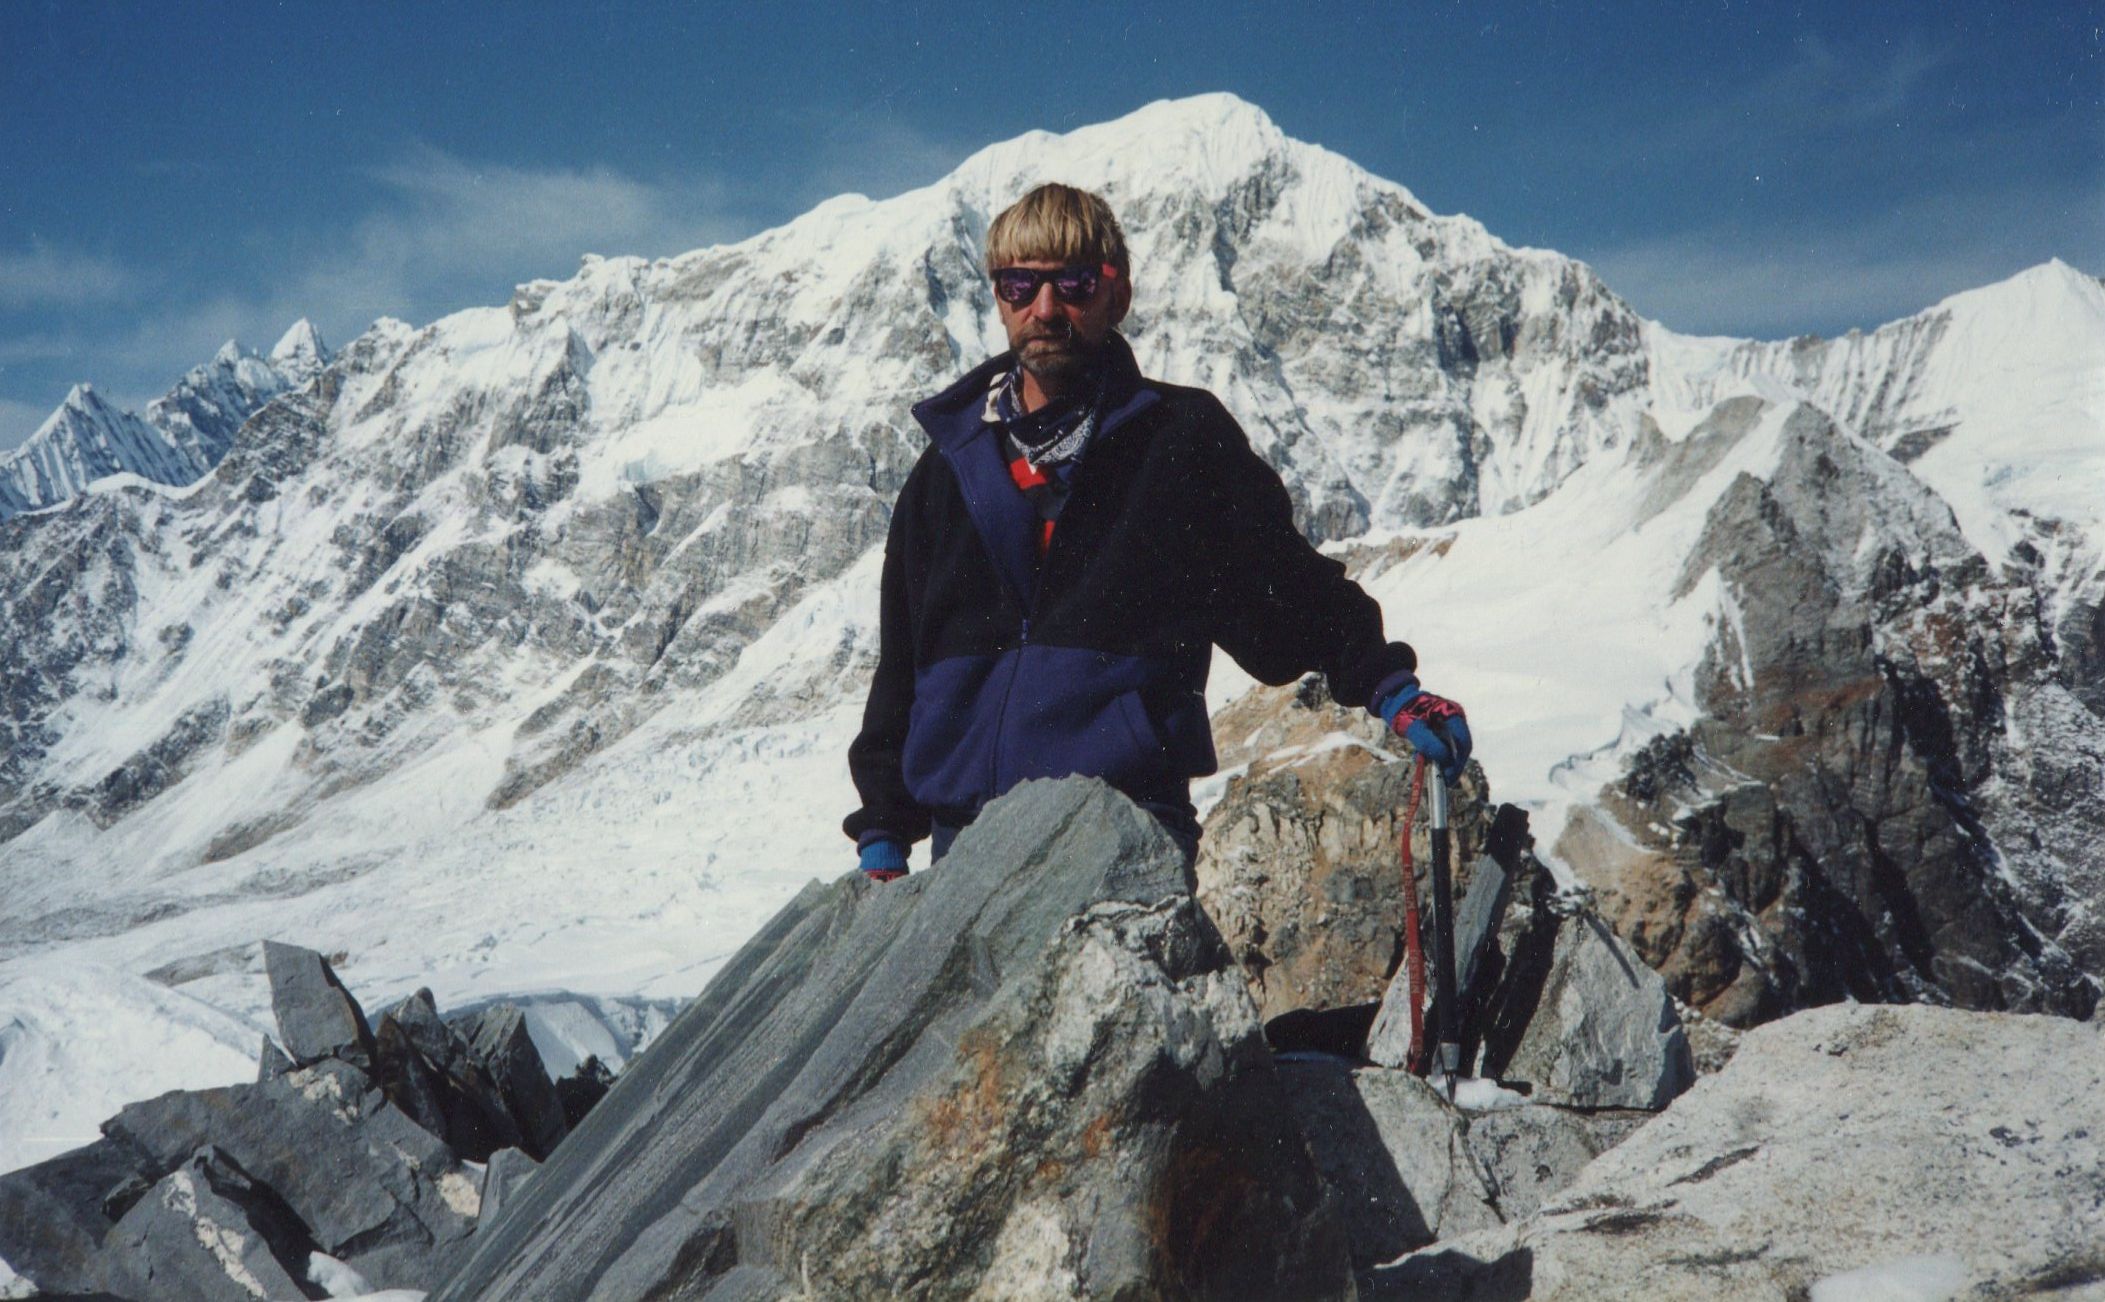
[1053, 435]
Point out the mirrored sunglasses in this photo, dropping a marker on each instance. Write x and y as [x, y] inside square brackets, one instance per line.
[1073, 286]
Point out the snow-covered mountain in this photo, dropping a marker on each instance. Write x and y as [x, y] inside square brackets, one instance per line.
[181, 438]
[519, 652]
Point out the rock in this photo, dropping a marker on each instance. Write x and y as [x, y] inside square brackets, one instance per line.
[1836, 1139]
[271, 1061]
[1593, 1028]
[1481, 935]
[206, 1231]
[54, 1215]
[1880, 800]
[1529, 1153]
[428, 1071]
[507, 1172]
[498, 1041]
[581, 1090]
[1409, 1168]
[372, 1187]
[1300, 863]
[317, 1018]
[1710, 1042]
[1392, 1152]
[1032, 1069]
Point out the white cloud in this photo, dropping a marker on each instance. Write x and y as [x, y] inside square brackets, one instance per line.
[49, 277]
[449, 233]
[873, 153]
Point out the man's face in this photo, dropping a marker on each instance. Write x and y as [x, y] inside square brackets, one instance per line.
[1059, 342]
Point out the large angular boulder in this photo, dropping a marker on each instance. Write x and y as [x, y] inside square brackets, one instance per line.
[317, 1018]
[206, 1231]
[1866, 1143]
[1564, 1009]
[1587, 1025]
[429, 1071]
[506, 1174]
[373, 1188]
[498, 1042]
[55, 1215]
[1395, 1154]
[1300, 865]
[1032, 1071]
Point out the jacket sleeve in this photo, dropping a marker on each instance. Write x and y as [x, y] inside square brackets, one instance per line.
[1282, 608]
[874, 756]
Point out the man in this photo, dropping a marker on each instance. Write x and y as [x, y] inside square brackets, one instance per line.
[1067, 553]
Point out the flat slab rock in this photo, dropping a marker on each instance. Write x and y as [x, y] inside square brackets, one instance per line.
[1851, 1144]
[1032, 1072]
[1409, 1168]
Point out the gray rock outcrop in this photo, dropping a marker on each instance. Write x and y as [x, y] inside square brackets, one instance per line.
[1837, 1140]
[372, 1187]
[206, 1231]
[1300, 865]
[497, 1040]
[1870, 808]
[317, 1018]
[1033, 1071]
[1602, 1031]
[506, 1174]
[1409, 1168]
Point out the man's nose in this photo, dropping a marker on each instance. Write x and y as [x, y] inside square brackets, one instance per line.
[1044, 307]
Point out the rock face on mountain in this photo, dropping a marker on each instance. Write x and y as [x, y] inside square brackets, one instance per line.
[1032, 1071]
[1900, 1142]
[1819, 834]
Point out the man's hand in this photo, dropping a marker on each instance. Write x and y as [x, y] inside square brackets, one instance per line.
[883, 860]
[1434, 726]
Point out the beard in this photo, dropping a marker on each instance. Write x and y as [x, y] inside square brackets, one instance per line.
[1057, 357]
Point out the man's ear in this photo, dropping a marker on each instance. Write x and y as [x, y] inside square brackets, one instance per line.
[1121, 298]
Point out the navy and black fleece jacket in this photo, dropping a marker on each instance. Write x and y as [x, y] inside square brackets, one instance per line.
[995, 666]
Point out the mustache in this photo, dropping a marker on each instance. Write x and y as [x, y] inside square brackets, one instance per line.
[1056, 331]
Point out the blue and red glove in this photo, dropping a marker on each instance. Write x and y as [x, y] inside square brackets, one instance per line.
[883, 860]
[1434, 726]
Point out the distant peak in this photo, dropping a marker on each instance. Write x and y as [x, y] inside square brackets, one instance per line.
[2044, 288]
[300, 346]
[229, 352]
[81, 403]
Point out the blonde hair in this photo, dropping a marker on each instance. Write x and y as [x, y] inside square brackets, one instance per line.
[1057, 223]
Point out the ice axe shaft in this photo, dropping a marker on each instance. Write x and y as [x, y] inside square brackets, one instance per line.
[1446, 1016]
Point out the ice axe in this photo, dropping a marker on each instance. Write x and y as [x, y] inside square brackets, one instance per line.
[1462, 948]
[1447, 1017]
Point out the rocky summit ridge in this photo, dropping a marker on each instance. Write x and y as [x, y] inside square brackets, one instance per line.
[1037, 1071]
[1791, 649]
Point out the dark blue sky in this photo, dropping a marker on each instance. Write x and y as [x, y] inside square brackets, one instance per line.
[175, 174]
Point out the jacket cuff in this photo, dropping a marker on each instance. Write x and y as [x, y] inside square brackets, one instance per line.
[1395, 685]
[882, 854]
